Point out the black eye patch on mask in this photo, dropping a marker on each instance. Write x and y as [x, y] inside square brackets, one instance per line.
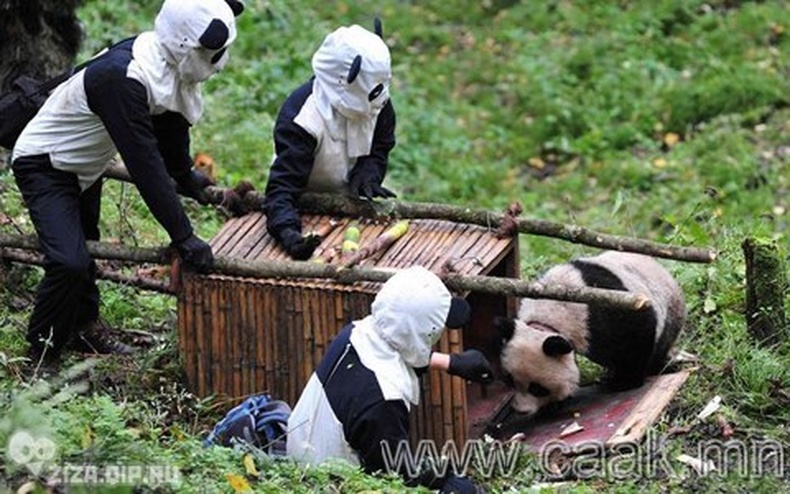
[215, 36]
[218, 55]
[375, 92]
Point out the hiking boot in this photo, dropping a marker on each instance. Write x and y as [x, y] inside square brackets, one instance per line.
[95, 337]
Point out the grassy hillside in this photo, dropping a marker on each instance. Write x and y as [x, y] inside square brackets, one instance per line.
[664, 119]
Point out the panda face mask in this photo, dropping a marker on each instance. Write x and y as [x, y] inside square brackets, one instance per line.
[200, 63]
[197, 36]
[365, 94]
[352, 68]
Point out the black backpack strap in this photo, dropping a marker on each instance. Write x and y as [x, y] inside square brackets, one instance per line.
[56, 81]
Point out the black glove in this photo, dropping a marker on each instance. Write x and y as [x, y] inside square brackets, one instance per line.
[471, 365]
[196, 254]
[193, 185]
[460, 485]
[297, 246]
[366, 181]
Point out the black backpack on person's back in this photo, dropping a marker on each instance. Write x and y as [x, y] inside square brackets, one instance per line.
[19, 105]
[27, 95]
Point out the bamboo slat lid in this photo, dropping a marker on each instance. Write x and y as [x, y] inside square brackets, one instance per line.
[471, 249]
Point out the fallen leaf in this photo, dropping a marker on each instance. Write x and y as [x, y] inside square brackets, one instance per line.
[683, 356]
[87, 438]
[537, 163]
[702, 468]
[713, 405]
[249, 466]
[571, 429]
[670, 139]
[238, 483]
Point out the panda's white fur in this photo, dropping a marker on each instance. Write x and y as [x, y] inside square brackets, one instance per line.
[538, 346]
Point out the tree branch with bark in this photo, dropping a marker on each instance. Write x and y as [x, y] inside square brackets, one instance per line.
[310, 270]
[337, 204]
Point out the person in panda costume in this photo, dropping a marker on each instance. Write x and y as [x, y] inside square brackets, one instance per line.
[538, 349]
[333, 134]
[139, 99]
[362, 390]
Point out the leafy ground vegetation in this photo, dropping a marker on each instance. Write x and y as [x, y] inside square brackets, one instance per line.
[665, 120]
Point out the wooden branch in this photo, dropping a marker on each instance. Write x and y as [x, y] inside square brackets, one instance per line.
[337, 204]
[296, 269]
[36, 259]
[99, 250]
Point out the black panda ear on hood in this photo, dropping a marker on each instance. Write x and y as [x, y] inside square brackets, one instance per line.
[353, 71]
[506, 327]
[556, 345]
[377, 28]
[236, 6]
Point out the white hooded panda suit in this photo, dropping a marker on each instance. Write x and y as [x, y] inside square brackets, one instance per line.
[361, 393]
[138, 99]
[334, 133]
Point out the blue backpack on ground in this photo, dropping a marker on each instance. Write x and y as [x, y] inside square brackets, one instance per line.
[259, 421]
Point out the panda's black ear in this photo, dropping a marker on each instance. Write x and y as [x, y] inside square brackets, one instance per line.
[353, 72]
[506, 327]
[554, 346]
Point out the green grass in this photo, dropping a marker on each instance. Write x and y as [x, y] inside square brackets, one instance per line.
[566, 107]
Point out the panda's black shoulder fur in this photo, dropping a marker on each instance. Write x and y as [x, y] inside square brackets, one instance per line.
[597, 276]
[621, 340]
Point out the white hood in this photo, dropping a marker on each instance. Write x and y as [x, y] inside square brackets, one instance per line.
[188, 44]
[407, 318]
[350, 109]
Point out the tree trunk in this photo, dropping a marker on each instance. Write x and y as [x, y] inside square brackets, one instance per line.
[766, 289]
[38, 38]
[337, 204]
[294, 269]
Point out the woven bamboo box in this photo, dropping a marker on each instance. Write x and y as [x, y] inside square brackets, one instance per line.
[241, 336]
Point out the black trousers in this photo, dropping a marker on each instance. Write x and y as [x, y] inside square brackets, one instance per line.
[64, 217]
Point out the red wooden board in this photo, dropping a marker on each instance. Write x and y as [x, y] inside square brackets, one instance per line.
[607, 417]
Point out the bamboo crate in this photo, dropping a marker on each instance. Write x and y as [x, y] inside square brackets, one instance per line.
[240, 336]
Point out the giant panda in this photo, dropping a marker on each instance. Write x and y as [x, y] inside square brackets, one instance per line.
[537, 353]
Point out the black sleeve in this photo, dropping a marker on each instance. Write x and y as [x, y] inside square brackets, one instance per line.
[288, 176]
[388, 422]
[172, 134]
[383, 142]
[122, 105]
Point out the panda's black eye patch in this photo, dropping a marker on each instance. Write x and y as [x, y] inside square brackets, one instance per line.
[536, 389]
[217, 56]
[508, 380]
[375, 92]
